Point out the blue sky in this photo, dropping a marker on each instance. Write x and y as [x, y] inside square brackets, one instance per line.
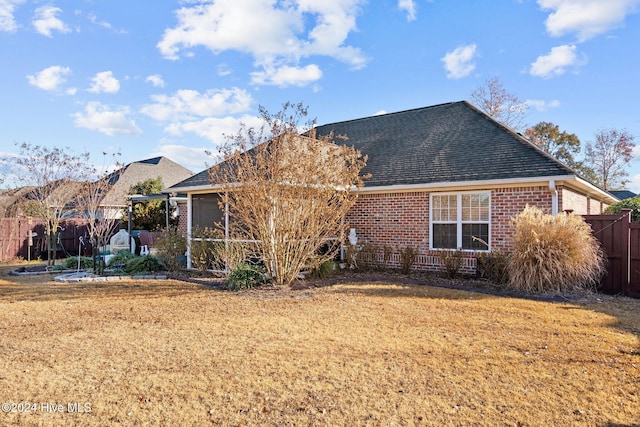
[171, 78]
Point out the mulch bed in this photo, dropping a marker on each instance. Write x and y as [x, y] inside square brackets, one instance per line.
[301, 287]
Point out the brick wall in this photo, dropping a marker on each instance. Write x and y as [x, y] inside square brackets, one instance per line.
[401, 219]
[578, 203]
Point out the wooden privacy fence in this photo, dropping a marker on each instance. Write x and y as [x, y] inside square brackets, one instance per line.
[620, 240]
[15, 241]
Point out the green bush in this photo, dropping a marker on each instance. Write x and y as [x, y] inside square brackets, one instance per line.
[492, 266]
[408, 257]
[142, 265]
[246, 276]
[553, 253]
[171, 248]
[72, 263]
[452, 262]
[633, 204]
[120, 258]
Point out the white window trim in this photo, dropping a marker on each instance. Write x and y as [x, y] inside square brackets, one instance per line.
[458, 221]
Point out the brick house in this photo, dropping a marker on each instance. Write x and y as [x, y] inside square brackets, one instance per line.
[442, 177]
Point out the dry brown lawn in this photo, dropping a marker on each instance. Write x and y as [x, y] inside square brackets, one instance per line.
[180, 354]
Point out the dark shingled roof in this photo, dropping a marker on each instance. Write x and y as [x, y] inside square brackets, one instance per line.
[443, 143]
[623, 194]
[451, 142]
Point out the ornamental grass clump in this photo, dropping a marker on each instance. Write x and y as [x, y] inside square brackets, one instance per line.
[555, 254]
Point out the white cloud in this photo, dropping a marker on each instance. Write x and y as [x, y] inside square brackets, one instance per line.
[214, 128]
[274, 33]
[101, 118]
[556, 62]
[541, 105]
[194, 158]
[224, 70]
[45, 21]
[634, 183]
[104, 82]
[459, 62]
[586, 18]
[156, 80]
[287, 76]
[7, 20]
[380, 113]
[408, 6]
[189, 104]
[50, 78]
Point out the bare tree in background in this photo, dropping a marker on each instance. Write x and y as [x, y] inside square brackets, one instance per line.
[493, 99]
[609, 157]
[287, 191]
[101, 222]
[52, 175]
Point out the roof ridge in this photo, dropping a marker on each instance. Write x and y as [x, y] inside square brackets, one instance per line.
[393, 113]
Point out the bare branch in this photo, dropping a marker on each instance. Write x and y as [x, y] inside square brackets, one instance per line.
[290, 193]
[499, 104]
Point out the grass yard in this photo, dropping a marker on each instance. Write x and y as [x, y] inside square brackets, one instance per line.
[174, 353]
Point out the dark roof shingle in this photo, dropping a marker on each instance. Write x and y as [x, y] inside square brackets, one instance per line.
[443, 143]
[451, 142]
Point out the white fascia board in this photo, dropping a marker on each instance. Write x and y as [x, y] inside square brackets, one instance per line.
[511, 182]
[593, 190]
[207, 188]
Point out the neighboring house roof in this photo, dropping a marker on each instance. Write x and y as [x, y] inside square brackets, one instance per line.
[135, 172]
[623, 194]
[446, 143]
[9, 199]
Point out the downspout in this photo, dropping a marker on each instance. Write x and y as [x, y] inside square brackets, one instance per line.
[554, 197]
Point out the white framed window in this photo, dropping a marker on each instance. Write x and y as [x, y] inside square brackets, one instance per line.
[460, 220]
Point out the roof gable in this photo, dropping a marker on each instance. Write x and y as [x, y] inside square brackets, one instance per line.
[135, 172]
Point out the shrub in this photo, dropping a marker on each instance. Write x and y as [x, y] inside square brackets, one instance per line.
[492, 266]
[203, 251]
[171, 249]
[632, 203]
[142, 265]
[408, 257]
[246, 276]
[232, 253]
[72, 263]
[324, 270]
[121, 258]
[353, 257]
[216, 254]
[369, 256]
[452, 262]
[553, 253]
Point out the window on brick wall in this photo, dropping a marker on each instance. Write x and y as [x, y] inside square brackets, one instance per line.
[460, 220]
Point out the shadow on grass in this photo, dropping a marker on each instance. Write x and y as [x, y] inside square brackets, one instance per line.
[623, 309]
